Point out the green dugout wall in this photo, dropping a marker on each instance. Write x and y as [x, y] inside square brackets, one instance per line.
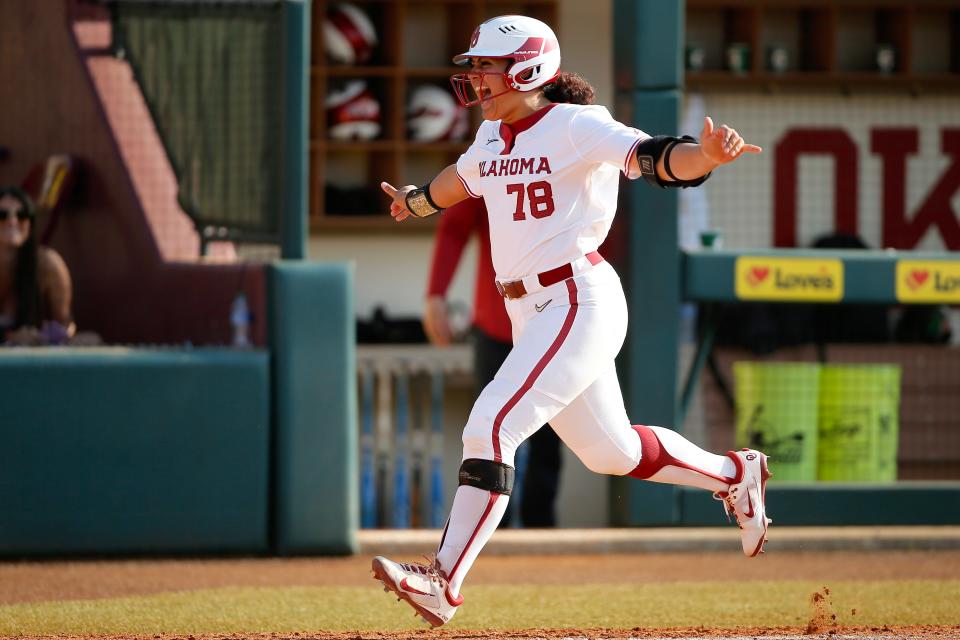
[312, 335]
[648, 39]
[120, 450]
[117, 450]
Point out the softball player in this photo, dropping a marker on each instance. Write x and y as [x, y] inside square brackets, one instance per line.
[547, 170]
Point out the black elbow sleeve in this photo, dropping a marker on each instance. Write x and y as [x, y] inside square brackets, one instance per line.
[650, 151]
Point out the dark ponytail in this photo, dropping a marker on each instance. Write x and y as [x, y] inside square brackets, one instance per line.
[571, 88]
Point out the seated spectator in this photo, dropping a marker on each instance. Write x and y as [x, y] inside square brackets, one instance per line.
[35, 286]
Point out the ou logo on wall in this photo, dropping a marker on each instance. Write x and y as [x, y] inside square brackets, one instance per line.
[901, 229]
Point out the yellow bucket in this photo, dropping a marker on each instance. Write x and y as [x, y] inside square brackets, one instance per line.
[777, 407]
[859, 423]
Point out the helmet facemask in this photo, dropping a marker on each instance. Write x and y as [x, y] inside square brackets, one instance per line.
[470, 94]
[528, 46]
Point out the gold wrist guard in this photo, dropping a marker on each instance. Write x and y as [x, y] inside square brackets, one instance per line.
[419, 203]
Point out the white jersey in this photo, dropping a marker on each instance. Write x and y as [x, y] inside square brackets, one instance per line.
[550, 184]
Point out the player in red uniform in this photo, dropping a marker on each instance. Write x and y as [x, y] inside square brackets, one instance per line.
[548, 171]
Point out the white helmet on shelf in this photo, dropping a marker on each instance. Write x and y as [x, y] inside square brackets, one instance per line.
[353, 113]
[348, 34]
[433, 115]
[528, 43]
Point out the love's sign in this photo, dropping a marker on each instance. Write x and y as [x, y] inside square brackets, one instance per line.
[933, 281]
[789, 279]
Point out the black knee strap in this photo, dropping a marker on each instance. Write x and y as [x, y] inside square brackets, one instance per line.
[487, 475]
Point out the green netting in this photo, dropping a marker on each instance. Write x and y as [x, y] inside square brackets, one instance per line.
[859, 410]
[211, 75]
[777, 407]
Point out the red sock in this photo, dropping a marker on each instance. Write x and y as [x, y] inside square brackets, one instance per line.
[694, 466]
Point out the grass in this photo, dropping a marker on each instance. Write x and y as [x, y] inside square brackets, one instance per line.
[713, 604]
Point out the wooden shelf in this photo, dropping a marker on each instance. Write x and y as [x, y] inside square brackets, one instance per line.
[383, 72]
[831, 43]
[433, 72]
[376, 222]
[799, 4]
[358, 71]
[388, 145]
[345, 174]
[426, 147]
[806, 79]
[354, 145]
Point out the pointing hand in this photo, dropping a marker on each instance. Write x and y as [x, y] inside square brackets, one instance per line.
[398, 208]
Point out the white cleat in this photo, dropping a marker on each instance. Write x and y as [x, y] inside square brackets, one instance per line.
[746, 499]
[424, 587]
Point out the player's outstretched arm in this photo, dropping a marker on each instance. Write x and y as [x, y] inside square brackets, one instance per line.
[717, 146]
[443, 191]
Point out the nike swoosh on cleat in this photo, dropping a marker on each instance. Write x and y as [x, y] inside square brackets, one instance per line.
[407, 587]
[747, 514]
[541, 307]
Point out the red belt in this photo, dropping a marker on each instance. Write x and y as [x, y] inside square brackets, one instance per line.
[514, 289]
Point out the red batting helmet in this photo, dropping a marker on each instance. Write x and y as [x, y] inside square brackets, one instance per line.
[353, 113]
[433, 114]
[528, 43]
[349, 35]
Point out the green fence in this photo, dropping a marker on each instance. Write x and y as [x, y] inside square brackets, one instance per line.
[226, 86]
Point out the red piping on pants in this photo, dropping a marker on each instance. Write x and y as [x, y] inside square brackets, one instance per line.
[486, 512]
[528, 383]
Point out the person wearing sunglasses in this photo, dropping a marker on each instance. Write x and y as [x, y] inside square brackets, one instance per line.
[35, 285]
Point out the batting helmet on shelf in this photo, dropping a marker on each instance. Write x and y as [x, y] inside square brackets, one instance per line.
[348, 34]
[529, 44]
[433, 115]
[353, 112]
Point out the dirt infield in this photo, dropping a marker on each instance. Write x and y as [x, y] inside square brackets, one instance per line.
[80, 579]
[846, 633]
[43, 581]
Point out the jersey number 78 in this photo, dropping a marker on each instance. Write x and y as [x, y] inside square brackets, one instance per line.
[540, 196]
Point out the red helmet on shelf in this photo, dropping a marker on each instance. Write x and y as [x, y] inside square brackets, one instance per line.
[348, 34]
[353, 113]
[433, 115]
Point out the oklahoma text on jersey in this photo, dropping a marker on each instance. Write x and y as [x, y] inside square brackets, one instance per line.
[514, 166]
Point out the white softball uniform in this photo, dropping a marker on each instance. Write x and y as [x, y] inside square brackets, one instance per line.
[550, 184]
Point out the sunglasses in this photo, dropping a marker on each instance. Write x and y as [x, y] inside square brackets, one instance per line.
[21, 214]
